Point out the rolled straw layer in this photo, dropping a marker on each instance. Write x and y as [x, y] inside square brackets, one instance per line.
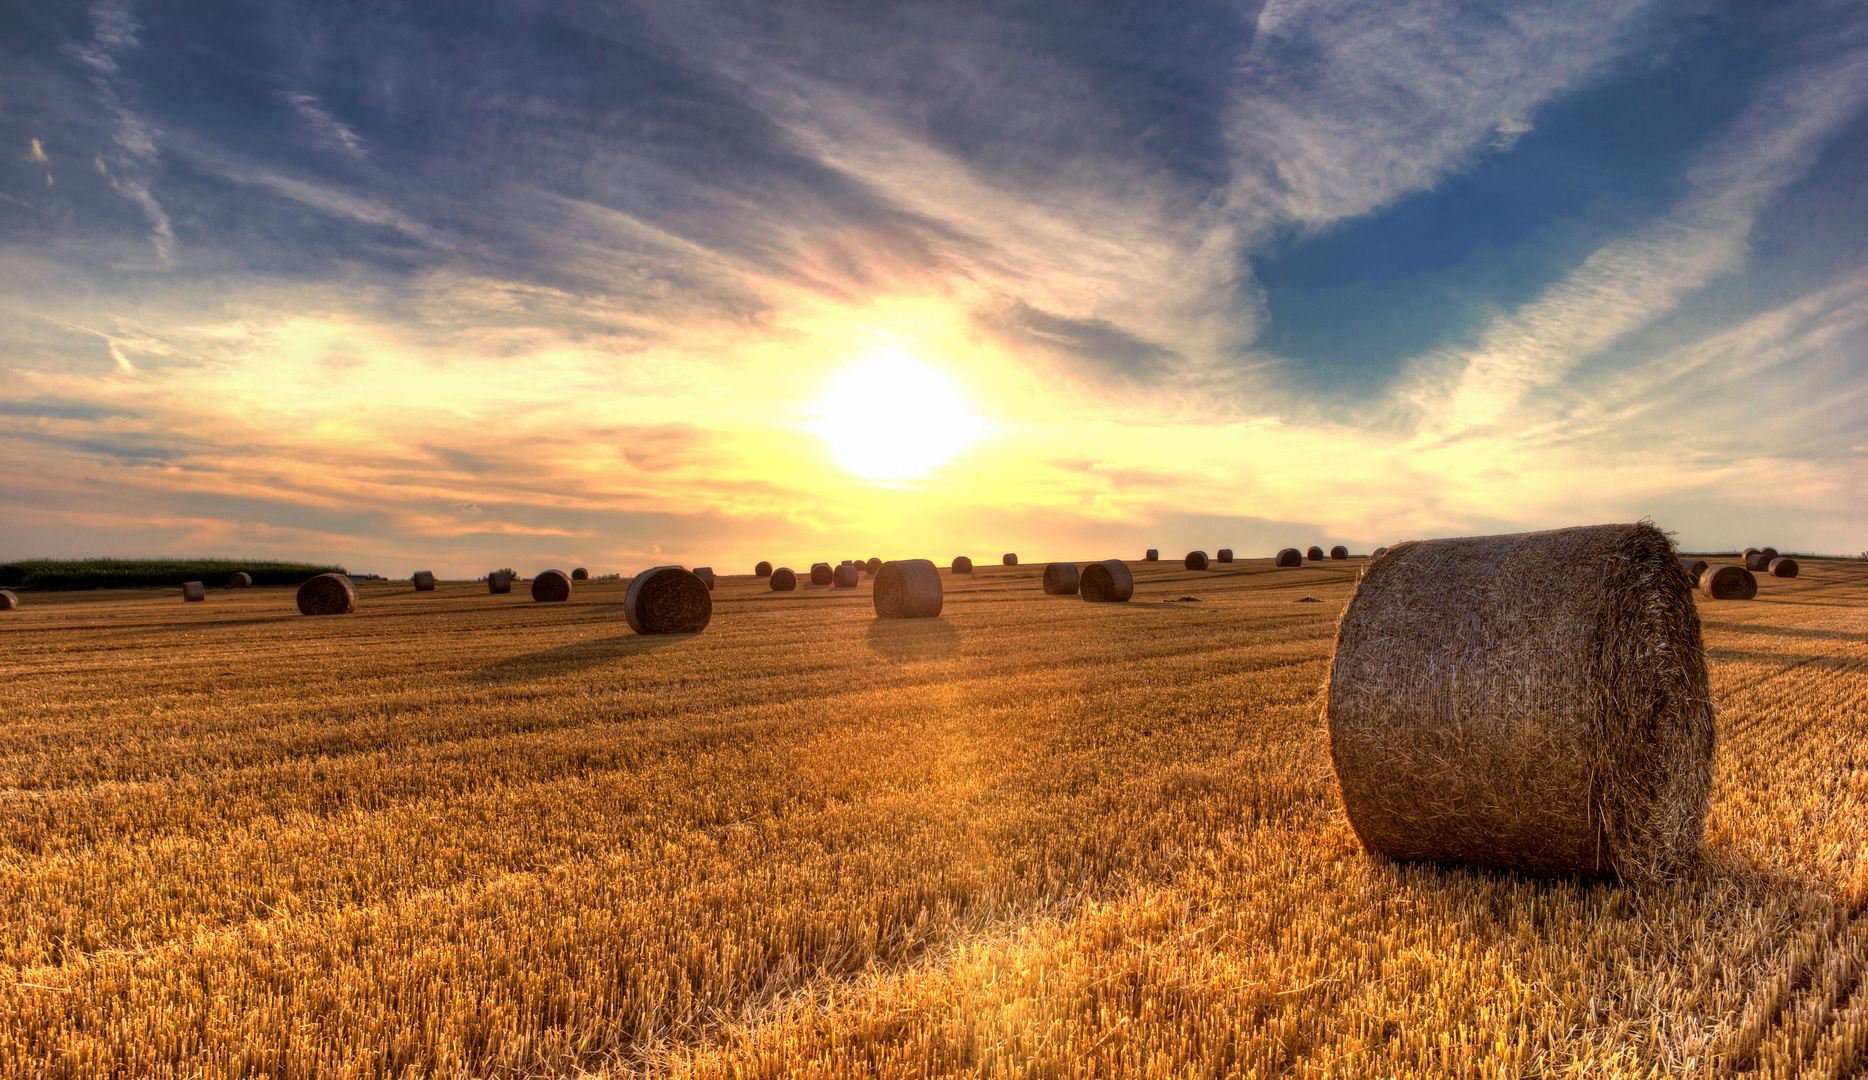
[328, 594]
[907, 589]
[551, 587]
[667, 600]
[1728, 582]
[1060, 579]
[1106, 582]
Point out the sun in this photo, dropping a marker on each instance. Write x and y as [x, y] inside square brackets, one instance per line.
[892, 418]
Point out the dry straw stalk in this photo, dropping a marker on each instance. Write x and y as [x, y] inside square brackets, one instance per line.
[667, 600]
[1535, 702]
[1106, 582]
[908, 589]
[328, 594]
[1060, 579]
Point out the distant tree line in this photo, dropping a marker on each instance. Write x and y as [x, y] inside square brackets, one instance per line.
[66, 574]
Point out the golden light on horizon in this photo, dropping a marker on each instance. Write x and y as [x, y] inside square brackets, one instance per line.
[894, 418]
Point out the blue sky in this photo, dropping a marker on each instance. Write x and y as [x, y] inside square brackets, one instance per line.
[490, 285]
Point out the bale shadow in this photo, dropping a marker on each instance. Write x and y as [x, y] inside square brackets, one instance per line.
[576, 656]
[913, 639]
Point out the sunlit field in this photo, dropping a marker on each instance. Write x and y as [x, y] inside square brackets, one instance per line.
[461, 835]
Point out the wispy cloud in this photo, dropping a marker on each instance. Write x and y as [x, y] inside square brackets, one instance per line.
[133, 164]
[326, 129]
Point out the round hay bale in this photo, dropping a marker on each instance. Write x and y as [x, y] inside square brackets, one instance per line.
[705, 573]
[962, 564]
[1783, 566]
[1728, 582]
[764, 569]
[668, 600]
[1290, 557]
[1757, 563]
[1060, 579]
[331, 594]
[1747, 551]
[194, 592]
[1223, 555]
[907, 589]
[578, 573]
[551, 587]
[9, 600]
[1151, 555]
[1378, 553]
[240, 579]
[1106, 582]
[1768, 552]
[1534, 702]
[784, 580]
[821, 573]
[1693, 568]
[846, 576]
[1009, 559]
[499, 581]
[1196, 560]
[1339, 553]
[872, 566]
[424, 580]
[1315, 554]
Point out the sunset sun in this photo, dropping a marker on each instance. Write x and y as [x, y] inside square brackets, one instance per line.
[893, 418]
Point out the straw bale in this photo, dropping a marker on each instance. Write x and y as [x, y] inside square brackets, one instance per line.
[821, 573]
[872, 566]
[667, 600]
[1747, 553]
[784, 580]
[329, 594]
[1196, 560]
[1223, 555]
[578, 573]
[962, 564]
[551, 587]
[1009, 559]
[240, 579]
[1728, 582]
[846, 576]
[424, 580]
[1769, 552]
[9, 600]
[1378, 553]
[1060, 579]
[1151, 555]
[907, 589]
[1534, 702]
[1106, 582]
[1290, 557]
[1693, 568]
[705, 573]
[1339, 553]
[764, 569]
[1315, 554]
[1757, 563]
[499, 581]
[1783, 566]
[194, 591]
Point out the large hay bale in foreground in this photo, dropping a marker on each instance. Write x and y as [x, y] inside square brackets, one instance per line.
[907, 589]
[962, 564]
[1339, 553]
[1534, 702]
[1106, 582]
[499, 581]
[423, 580]
[1151, 555]
[784, 580]
[1060, 579]
[330, 594]
[705, 573]
[764, 569]
[1783, 566]
[845, 576]
[1693, 568]
[1314, 554]
[1757, 563]
[667, 600]
[1223, 555]
[1728, 582]
[821, 573]
[194, 592]
[551, 587]
[240, 579]
[9, 600]
[1196, 560]
[578, 573]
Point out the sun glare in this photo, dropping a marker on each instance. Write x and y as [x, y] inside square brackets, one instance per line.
[892, 418]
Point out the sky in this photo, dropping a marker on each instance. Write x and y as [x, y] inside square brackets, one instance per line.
[462, 286]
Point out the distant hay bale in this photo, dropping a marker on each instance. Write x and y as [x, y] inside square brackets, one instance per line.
[1757, 563]
[1728, 582]
[1534, 702]
[1223, 555]
[962, 564]
[1060, 579]
[705, 573]
[1290, 557]
[907, 589]
[1196, 560]
[846, 576]
[1151, 555]
[1106, 582]
[1315, 554]
[784, 580]
[332, 594]
[240, 579]
[578, 573]
[668, 600]
[1783, 566]
[1339, 553]
[872, 566]
[499, 581]
[1378, 553]
[194, 592]
[9, 600]
[1746, 554]
[1693, 568]
[821, 573]
[1009, 559]
[424, 581]
[552, 587]
[1768, 552]
[764, 569]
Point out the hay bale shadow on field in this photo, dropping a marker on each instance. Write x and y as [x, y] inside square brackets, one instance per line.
[575, 656]
[913, 639]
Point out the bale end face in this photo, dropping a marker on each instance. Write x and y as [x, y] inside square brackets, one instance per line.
[845, 577]
[1339, 553]
[764, 569]
[1224, 555]
[961, 564]
[240, 580]
[821, 573]
[1196, 560]
[328, 594]
[9, 600]
[1060, 579]
[1151, 555]
[784, 579]
[1106, 582]
[423, 580]
[551, 587]
[907, 589]
[499, 582]
[194, 591]
[1315, 554]
[1783, 566]
[667, 600]
[1290, 557]
[578, 573]
[1728, 582]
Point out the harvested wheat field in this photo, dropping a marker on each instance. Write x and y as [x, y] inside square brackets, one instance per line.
[463, 834]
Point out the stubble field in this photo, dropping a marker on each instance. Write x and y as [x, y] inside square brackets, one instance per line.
[468, 835]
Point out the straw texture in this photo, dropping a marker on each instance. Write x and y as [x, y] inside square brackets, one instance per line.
[194, 591]
[1339, 553]
[907, 589]
[784, 580]
[1106, 582]
[667, 600]
[1728, 582]
[846, 576]
[240, 579]
[1693, 568]
[1196, 560]
[1223, 555]
[1783, 566]
[1290, 557]
[499, 581]
[329, 594]
[1533, 702]
[9, 600]
[1060, 579]
[551, 587]
[764, 569]
[423, 580]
